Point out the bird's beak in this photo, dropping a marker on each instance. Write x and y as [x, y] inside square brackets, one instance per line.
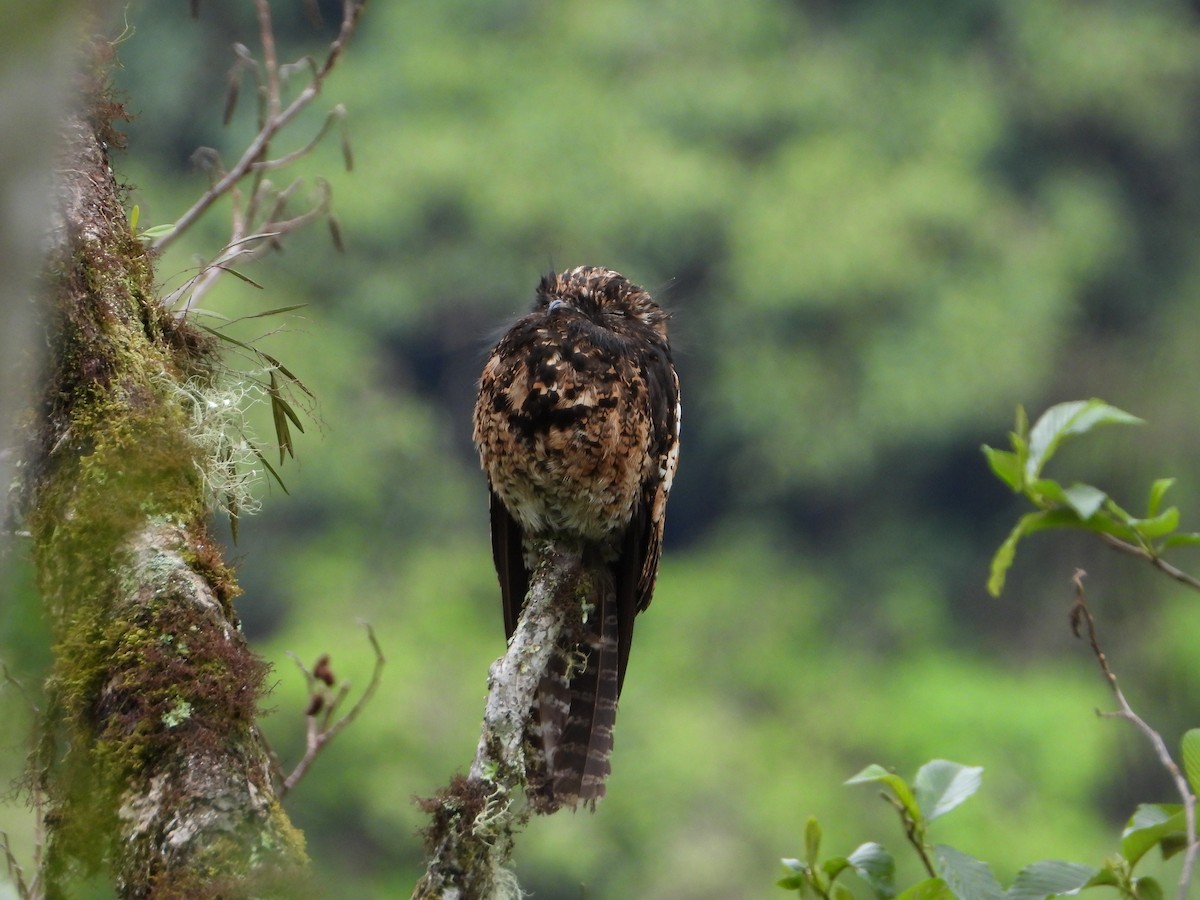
[556, 304]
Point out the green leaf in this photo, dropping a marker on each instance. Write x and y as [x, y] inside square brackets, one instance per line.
[1047, 490]
[1108, 875]
[1149, 824]
[812, 841]
[1065, 420]
[841, 892]
[835, 866]
[1188, 539]
[1040, 880]
[134, 215]
[156, 231]
[1005, 464]
[1157, 526]
[1157, 490]
[1172, 843]
[1191, 758]
[1084, 499]
[942, 785]
[798, 877]
[929, 889]
[875, 866]
[1026, 525]
[1148, 889]
[899, 787]
[968, 877]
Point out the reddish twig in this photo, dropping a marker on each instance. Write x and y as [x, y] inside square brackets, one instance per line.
[1158, 562]
[1081, 615]
[322, 723]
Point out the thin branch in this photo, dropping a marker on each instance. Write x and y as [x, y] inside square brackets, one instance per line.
[1081, 615]
[1158, 562]
[270, 63]
[320, 730]
[351, 13]
[910, 832]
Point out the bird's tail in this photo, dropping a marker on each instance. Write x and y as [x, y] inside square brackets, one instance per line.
[576, 711]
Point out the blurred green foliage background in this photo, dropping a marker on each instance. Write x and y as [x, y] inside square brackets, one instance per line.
[879, 226]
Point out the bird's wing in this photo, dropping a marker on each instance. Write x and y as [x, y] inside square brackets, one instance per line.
[510, 563]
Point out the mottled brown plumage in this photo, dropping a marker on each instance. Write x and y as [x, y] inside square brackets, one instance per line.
[577, 427]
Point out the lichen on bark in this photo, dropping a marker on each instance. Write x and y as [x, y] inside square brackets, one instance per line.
[152, 771]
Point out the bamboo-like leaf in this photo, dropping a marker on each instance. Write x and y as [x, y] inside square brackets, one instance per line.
[270, 468]
[279, 310]
[289, 412]
[229, 339]
[236, 274]
[286, 373]
[283, 435]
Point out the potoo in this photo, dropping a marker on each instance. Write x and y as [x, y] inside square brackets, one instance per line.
[577, 428]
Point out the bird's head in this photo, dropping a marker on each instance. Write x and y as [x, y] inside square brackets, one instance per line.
[603, 296]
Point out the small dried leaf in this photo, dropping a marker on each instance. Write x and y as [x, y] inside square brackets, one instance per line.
[335, 232]
[231, 96]
[323, 672]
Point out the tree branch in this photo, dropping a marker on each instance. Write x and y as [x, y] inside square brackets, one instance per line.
[470, 839]
[1158, 562]
[251, 231]
[1081, 615]
[148, 755]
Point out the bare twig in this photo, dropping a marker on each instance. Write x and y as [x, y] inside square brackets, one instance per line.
[1081, 615]
[910, 832]
[256, 160]
[1158, 562]
[321, 722]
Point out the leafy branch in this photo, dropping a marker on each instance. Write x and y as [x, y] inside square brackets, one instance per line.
[1080, 505]
[941, 786]
[1164, 816]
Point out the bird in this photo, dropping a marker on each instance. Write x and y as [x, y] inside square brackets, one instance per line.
[577, 430]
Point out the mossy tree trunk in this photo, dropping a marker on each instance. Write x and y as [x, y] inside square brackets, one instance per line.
[152, 771]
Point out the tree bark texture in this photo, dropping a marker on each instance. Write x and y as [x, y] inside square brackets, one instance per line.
[474, 821]
[150, 766]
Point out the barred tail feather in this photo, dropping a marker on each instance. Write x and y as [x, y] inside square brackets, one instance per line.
[576, 712]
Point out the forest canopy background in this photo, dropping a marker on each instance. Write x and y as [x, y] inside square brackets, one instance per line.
[880, 227]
